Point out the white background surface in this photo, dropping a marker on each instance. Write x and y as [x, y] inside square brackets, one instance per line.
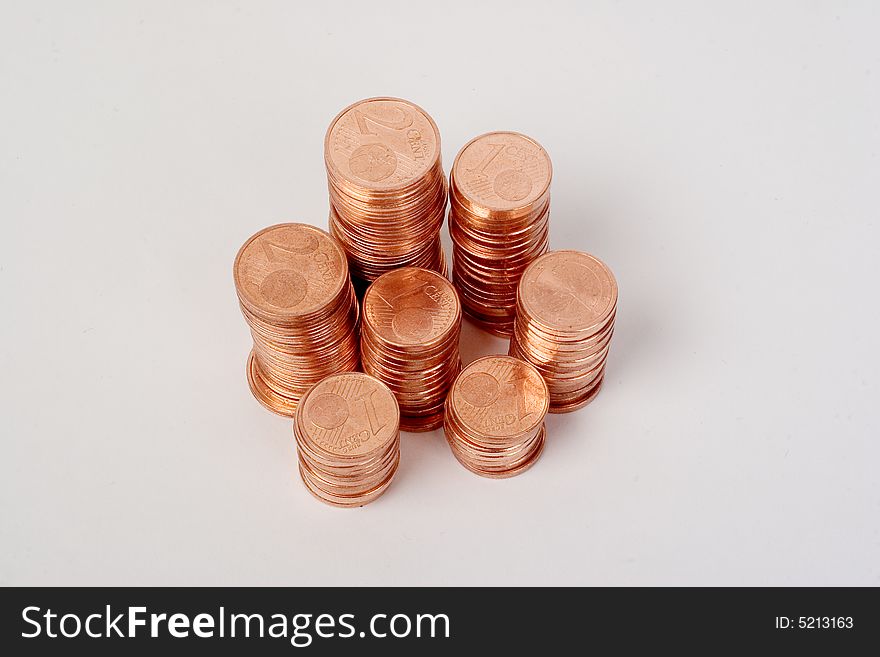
[723, 158]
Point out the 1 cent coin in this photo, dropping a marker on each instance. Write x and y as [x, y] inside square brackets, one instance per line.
[502, 171]
[349, 415]
[411, 307]
[499, 397]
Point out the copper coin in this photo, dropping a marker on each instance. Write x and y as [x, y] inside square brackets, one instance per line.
[499, 222]
[569, 291]
[349, 415]
[411, 307]
[387, 188]
[499, 397]
[382, 144]
[502, 172]
[295, 294]
[495, 416]
[348, 439]
[409, 340]
[566, 308]
[289, 270]
[505, 473]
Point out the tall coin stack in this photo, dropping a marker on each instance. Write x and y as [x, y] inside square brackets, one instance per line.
[348, 439]
[566, 305]
[409, 341]
[499, 197]
[495, 416]
[387, 187]
[295, 293]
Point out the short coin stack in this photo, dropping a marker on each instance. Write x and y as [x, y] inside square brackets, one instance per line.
[296, 296]
[348, 439]
[409, 341]
[387, 188]
[495, 416]
[499, 198]
[566, 304]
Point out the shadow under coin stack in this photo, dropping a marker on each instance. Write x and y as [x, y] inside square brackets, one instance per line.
[566, 304]
[495, 416]
[499, 197]
[348, 439]
[409, 341]
[387, 187]
[296, 296]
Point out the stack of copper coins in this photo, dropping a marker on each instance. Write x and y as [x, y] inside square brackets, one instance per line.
[499, 197]
[387, 187]
[566, 305]
[495, 416]
[296, 296]
[348, 439]
[409, 341]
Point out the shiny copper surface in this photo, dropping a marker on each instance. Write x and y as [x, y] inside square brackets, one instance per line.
[347, 431]
[499, 195]
[295, 294]
[495, 416]
[387, 188]
[409, 341]
[566, 307]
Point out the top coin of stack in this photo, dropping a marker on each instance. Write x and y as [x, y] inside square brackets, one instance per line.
[294, 291]
[566, 305]
[348, 439]
[499, 212]
[387, 188]
[409, 341]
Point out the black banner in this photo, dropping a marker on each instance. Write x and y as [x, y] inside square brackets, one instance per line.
[114, 621]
